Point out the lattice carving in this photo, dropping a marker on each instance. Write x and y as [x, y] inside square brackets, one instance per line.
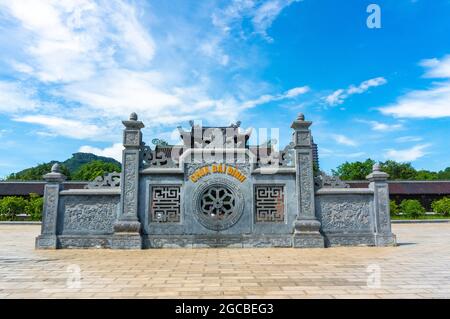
[269, 203]
[165, 206]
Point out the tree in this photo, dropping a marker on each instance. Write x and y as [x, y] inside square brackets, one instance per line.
[354, 170]
[393, 207]
[424, 175]
[90, 171]
[36, 173]
[11, 206]
[34, 206]
[398, 170]
[445, 174]
[441, 206]
[412, 208]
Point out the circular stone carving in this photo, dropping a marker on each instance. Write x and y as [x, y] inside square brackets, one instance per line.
[218, 203]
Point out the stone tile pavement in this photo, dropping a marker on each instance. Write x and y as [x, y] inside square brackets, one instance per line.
[418, 268]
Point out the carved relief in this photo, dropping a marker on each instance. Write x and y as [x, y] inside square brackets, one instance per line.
[269, 203]
[130, 176]
[306, 185]
[165, 204]
[383, 200]
[90, 213]
[342, 213]
[303, 138]
[132, 138]
[51, 209]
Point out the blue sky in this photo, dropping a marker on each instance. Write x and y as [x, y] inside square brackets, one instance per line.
[70, 71]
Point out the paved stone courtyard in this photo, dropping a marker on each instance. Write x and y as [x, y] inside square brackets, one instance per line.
[418, 268]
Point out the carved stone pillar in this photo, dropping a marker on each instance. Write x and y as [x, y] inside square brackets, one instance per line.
[127, 227]
[306, 226]
[47, 239]
[381, 211]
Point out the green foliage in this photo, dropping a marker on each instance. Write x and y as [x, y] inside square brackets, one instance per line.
[34, 206]
[11, 206]
[398, 170]
[354, 170]
[36, 173]
[445, 174]
[393, 208]
[412, 208]
[90, 171]
[441, 206]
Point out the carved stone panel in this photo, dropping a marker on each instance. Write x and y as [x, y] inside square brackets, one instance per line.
[165, 204]
[344, 213]
[131, 138]
[383, 209]
[50, 209]
[269, 203]
[93, 213]
[306, 185]
[130, 177]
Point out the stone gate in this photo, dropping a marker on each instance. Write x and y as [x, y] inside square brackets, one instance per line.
[215, 190]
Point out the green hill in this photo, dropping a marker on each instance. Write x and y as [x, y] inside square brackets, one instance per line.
[69, 167]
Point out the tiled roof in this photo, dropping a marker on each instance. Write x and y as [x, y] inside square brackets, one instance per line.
[410, 187]
[25, 188]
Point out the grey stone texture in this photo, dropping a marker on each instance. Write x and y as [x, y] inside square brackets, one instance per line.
[206, 197]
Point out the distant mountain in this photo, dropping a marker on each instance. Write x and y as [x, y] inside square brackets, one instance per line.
[79, 159]
[69, 166]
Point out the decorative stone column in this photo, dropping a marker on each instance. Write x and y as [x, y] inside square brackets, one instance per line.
[127, 227]
[47, 239]
[306, 226]
[382, 219]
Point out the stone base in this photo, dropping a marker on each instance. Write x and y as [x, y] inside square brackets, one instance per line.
[308, 240]
[337, 239]
[385, 240]
[46, 242]
[84, 241]
[220, 241]
[126, 241]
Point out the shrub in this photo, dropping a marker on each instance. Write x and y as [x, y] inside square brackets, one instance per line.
[441, 206]
[11, 206]
[393, 208]
[412, 208]
[34, 207]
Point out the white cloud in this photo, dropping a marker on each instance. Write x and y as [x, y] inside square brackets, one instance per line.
[15, 97]
[407, 155]
[114, 151]
[406, 139]
[437, 68]
[64, 127]
[344, 140]
[292, 93]
[382, 127]
[429, 103]
[71, 40]
[339, 96]
[260, 14]
[99, 62]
